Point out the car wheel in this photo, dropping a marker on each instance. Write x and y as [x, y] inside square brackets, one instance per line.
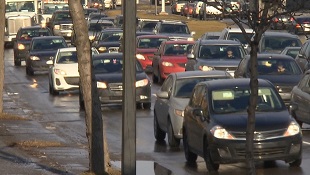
[29, 71]
[17, 62]
[189, 156]
[295, 163]
[52, 90]
[173, 142]
[158, 133]
[211, 166]
[147, 105]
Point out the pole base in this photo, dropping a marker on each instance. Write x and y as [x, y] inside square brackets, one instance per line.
[163, 13]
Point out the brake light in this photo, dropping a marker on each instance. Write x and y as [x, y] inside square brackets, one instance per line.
[298, 26]
[276, 20]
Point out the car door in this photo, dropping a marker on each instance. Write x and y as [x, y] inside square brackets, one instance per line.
[302, 56]
[302, 99]
[204, 120]
[193, 126]
[162, 104]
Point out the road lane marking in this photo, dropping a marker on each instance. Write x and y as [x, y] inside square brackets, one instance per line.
[307, 143]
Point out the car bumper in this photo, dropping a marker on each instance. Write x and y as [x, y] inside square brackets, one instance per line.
[165, 71]
[38, 65]
[63, 33]
[106, 96]
[20, 55]
[65, 82]
[229, 151]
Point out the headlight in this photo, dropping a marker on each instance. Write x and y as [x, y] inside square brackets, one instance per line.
[91, 38]
[34, 58]
[57, 27]
[221, 133]
[101, 85]
[140, 57]
[102, 49]
[20, 46]
[142, 83]
[179, 112]
[59, 72]
[292, 129]
[167, 64]
[190, 39]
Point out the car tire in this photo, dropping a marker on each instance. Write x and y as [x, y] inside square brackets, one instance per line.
[158, 133]
[211, 166]
[189, 156]
[17, 62]
[173, 142]
[296, 163]
[28, 71]
[147, 105]
[52, 90]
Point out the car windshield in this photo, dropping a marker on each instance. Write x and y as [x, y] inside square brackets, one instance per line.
[148, 25]
[28, 34]
[111, 36]
[239, 37]
[174, 28]
[111, 65]
[27, 6]
[220, 51]
[277, 44]
[237, 100]
[148, 43]
[99, 26]
[63, 17]
[67, 57]
[50, 8]
[277, 67]
[303, 20]
[48, 44]
[177, 49]
[184, 87]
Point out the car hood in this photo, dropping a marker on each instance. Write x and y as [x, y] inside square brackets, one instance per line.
[287, 80]
[151, 50]
[116, 77]
[175, 59]
[179, 103]
[70, 69]
[264, 120]
[43, 53]
[177, 35]
[218, 62]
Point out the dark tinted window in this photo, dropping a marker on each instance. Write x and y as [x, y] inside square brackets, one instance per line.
[174, 28]
[48, 44]
[150, 42]
[29, 34]
[271, 66]
[219, 51]
[111, 65]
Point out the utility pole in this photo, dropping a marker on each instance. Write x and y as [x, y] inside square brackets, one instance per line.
[163, 6]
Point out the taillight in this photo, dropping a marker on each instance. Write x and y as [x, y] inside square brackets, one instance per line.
[276, 20]
[298, 26]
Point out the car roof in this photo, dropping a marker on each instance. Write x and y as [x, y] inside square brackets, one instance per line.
[33, 27]
[108, 55]
[238, 30]
[67, 49]
[219, 42]
[172, 22]
[233, 83]
[178, 42]
[152, 36]
[271, 56]
[279, 34]
[191, 74]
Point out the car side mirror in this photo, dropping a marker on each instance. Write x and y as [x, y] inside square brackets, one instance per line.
[162, 94]
[190, 56]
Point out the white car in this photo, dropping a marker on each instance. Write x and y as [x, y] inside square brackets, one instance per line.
[63, 73]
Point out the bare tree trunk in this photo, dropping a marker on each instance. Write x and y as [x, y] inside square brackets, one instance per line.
[2, 22]
[93, 118]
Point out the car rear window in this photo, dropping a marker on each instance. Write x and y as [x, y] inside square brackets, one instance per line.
[29, 34]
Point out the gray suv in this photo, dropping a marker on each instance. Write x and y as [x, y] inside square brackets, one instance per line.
[176, 30]
[215, 55]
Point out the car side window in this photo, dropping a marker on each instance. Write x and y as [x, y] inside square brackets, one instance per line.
[167, 85]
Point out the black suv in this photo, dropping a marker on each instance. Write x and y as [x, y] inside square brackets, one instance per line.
[22, 41]
[175, 30]
[215, 54]
[61, 23]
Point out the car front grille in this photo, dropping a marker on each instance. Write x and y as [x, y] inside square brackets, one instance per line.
[262, 152]
[116, 86]
[260, 135]
[66, 26]
[72, 80]
[226, 68]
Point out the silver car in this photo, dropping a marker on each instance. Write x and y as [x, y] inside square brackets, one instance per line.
[171, 100]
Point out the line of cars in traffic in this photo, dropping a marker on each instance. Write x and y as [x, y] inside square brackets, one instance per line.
[194, 102]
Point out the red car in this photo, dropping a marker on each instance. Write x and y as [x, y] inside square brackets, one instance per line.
[188, 9]
[170, 57]
[145, 48]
